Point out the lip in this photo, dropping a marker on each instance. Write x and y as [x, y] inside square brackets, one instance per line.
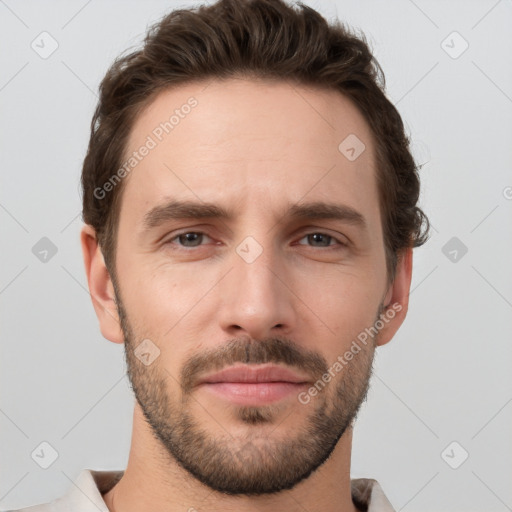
[256, 385]
[263, 373]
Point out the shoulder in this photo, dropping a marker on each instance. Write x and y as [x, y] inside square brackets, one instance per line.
[367, 494]
[84, 495]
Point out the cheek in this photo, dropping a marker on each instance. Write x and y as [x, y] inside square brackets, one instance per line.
[344, 301]
[174, 305]
[156, 299]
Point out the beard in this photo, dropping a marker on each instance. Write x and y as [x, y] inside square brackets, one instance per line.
[253, 464]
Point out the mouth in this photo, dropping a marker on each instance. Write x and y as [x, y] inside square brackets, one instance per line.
[254, 385]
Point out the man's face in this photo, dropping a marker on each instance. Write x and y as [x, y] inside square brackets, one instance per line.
[269, 286]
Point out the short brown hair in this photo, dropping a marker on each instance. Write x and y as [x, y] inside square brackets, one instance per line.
[260, 39]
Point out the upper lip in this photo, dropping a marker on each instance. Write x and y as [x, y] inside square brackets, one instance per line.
[259, 373]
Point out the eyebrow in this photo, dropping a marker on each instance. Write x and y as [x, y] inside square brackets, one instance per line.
[320, 210]
[182, 210]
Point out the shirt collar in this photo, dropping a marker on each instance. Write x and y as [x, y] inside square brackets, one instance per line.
[85, 495]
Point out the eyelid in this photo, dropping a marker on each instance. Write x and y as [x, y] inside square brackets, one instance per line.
[340, 240]
[184, 232]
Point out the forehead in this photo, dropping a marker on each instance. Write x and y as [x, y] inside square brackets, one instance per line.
[250, 143]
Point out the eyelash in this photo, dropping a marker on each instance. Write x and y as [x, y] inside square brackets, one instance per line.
[182, 248]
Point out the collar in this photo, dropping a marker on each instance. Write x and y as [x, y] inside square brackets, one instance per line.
[85, 495]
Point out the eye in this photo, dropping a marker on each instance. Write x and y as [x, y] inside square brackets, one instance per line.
[189, 239]
[192, 239]
[319, 239]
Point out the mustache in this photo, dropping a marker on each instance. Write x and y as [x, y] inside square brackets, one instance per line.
[250, 351]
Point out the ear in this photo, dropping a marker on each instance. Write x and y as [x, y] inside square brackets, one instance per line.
[101, 288]
[396, 301]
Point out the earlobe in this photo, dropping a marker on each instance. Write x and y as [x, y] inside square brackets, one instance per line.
[396, 301]
[100, 284]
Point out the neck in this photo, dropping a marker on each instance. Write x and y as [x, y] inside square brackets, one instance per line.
[154, 481]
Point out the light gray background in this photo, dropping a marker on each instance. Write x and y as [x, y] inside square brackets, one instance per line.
[445, 377]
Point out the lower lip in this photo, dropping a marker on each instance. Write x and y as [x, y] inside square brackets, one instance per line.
[245, 393]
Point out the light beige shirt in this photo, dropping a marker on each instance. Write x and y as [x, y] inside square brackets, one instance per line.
[86, 494]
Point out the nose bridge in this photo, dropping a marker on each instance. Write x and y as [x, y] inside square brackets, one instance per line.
[256, 300]
[254, 262]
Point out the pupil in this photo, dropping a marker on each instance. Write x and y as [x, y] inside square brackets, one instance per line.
[318, 237]
[189, 237]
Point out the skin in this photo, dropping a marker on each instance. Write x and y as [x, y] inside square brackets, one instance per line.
[254, 147]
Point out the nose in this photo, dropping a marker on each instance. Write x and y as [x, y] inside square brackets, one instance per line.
[257, 300]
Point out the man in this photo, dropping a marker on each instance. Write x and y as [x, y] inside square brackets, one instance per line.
[250, 208]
